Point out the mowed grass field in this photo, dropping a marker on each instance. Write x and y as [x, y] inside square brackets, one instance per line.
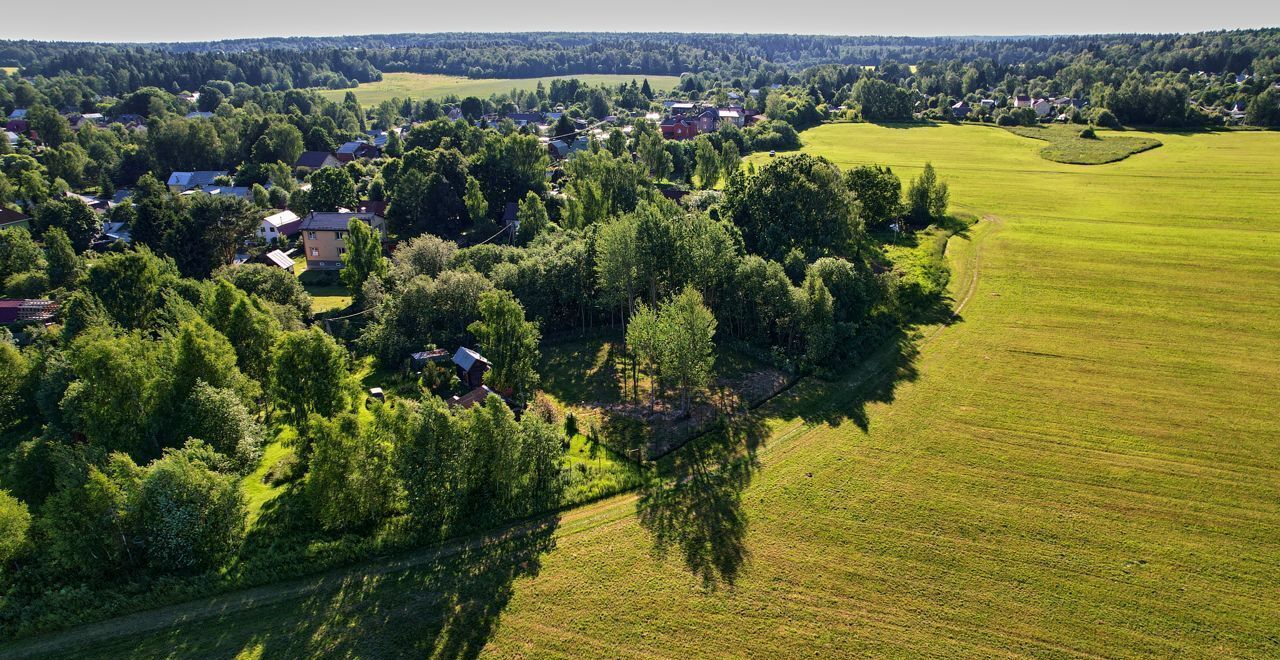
[1085, 464]
[421, 86]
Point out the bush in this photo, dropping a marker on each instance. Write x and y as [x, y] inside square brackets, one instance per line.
[1104, 118]
[1088, 134]
[1006, 120]
[283, 471]
[31, 284]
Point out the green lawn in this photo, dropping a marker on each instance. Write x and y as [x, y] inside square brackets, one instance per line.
[421, 86]
[8, 69]
[324, 297]
[1067, 146]
[256, 491]
[1085, 463]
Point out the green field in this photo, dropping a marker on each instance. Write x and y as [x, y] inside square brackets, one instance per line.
[1067, 146]
[1084, 464]
[421, 86]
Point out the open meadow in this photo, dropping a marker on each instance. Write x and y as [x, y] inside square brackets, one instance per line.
[1087, 462]
[422, 86]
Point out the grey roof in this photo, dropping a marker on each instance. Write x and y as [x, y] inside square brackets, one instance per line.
[351, 147]
[280, 259]
[333, 221]
[467, 358]
[312, 159]
[195, 179]
[18, 113]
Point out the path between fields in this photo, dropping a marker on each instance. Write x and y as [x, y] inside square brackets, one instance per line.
[571, 522]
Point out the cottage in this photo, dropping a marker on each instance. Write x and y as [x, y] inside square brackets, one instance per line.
[183, 181]
[473, 398]
[10, 219]
[26, 310]
[379, 138]
[960, 110]
[734, 115]
[418, 361]
[354, 150]
[471, 366]
[323, 234]
[678, 127]
[316, 160]
[1042, 107]
[526, 118]
[17, 121]
[239, 192]
[279, 225]
[116, 231]
[708, 120]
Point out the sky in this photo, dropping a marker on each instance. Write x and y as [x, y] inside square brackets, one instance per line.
[148, 20]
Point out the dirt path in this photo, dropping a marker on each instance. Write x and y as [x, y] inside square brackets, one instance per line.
[570, 522]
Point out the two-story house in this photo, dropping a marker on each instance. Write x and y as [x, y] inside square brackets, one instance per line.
[323, 237]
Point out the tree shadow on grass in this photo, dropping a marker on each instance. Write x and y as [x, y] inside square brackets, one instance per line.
[691, 501]
[441, 603]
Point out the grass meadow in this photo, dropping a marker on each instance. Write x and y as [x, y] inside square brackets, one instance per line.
[1084, 463]
[422, 86]
[1067, 146]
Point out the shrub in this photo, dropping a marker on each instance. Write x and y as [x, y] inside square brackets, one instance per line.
[287, 469]
[1104, 118]
[1088, 134]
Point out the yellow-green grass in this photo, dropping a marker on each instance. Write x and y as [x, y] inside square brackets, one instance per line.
[8, 69]
[256, 491]
[1085, 464]
[1067, 146]
[324, 297]
[422, 86]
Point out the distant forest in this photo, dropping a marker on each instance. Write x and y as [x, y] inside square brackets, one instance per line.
[339, 62]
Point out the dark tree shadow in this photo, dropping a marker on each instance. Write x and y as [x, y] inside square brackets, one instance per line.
[691, 501]
[441, 603]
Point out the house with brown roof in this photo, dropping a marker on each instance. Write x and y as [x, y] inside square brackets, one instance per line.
[678, 127]
[10, 218]
[473, 398]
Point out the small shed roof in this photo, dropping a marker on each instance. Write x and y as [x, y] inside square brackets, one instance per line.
[280, 260]
[472, 398]
[467, 358]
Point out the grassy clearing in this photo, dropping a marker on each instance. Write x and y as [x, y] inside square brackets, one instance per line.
[1084, 465]
[256, 491]
[325, 297]
[421, 86]
[1067, 146]
[8, 69]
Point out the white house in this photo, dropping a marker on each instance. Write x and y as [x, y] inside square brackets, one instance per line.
[279, 225]
[1042, 107]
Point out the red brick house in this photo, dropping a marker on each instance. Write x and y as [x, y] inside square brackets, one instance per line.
[678, 127]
